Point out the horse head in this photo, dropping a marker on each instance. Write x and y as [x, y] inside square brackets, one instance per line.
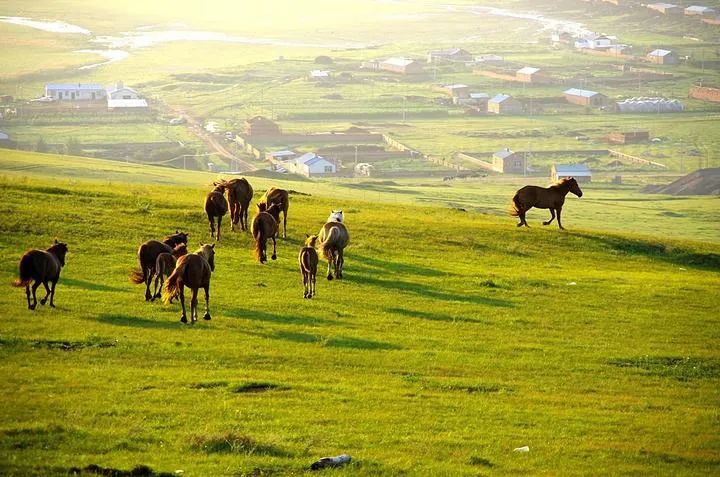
[207, 251]
[180, 250]
[220, 186]
[59, 249]
[262, 207]
[336, 216]
[574, 187]
[310, 240]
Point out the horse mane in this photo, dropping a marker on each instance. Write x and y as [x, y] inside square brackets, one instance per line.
[203, 251]
[561, 183]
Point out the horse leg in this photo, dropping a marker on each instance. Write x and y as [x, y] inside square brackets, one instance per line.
[233, 208]
[552, 217]
[331, 264]
[183, 318]
[558, 216]
[285, 224]
[219, 222]
[47, 293]
[207, 302]
[212, 225]
[306, 284]
[274, 255]
[148, 279]
[313, 276]
[193, 305]
[245, 215]
[52, 294]
[27, 295]
[34, 289]
[523, 221]
[339, 264]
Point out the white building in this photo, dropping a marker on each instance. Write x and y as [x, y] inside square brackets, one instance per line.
[75, 91]
[120, 91]
[311, 164]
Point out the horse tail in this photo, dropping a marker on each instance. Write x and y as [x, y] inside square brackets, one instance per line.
[259, 238]
[174, 282]
[325, 244]
[515, 207]
[25, 272]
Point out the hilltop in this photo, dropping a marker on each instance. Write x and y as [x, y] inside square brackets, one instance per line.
[454, 339]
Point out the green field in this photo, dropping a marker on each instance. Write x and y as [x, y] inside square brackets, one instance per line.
[454, 339]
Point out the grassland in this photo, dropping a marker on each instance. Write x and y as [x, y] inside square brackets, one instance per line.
[454, 338]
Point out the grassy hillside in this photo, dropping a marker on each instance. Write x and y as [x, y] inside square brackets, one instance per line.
[454, 339]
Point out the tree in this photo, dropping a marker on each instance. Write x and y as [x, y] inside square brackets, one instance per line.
[41, 146]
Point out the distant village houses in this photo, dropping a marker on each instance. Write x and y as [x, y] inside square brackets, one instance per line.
[403, 66]
[452, 55]
[120, 97]
[669, 9]
[504, 104]
[595, 42]
[529, 74]
[75, 91]
[261, 126]
[490, 59]
[662, 57]
[699, 10]
[320, 75]
[629, 137]
[506, 161]
[456, 90]
[312, 165]
[580, 172]
[585, 97]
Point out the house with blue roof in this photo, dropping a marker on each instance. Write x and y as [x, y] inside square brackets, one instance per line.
[504, 104]
[312, 165]
[75, 91]
[584, 97]
[581, 172]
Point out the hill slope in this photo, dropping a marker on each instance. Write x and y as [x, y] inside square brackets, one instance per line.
[454, 338]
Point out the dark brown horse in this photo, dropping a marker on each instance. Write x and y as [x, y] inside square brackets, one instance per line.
[164, 265]
[282, 199]
[41, 266]
[240, 193]
[334, 237]
[216, 206]
[192, 271]
[308, 260]
[264, 227]
[552, 198]
[147, 255]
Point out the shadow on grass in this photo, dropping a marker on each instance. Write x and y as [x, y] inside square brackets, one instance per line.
[335, 342]
[676, 256]
[429, 292]
[137, 322]
[424, 315]
[74, 282]
[290, 319]
[399, 268]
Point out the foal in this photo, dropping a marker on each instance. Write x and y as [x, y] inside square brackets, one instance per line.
[42, 266]
[308, 259]
[164, 266]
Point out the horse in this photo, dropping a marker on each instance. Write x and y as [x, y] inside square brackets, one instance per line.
[336, 216]
[334, 237]
[240, 193]
[216, 206]
[147, 255]
[164, 265]
[41, 266]
[192, 271]
[282, 199]
[308, 260]
[265, 226]
[552, 198]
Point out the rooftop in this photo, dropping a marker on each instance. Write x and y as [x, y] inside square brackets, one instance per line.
[581, 92]
[659, 52]
[528, 70]
[399, 61]
[572, 169]
[499, 98]
[75, 86]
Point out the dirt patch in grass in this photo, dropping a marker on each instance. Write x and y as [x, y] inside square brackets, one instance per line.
[475, 460]
[676, 367]
[73, 345]
[209, 385]
[233, 443]
[137, 471]
[257, 387]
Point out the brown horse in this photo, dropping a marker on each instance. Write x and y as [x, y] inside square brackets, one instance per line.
[216, 206]
[334, 237]
[308, 259]
[164, 265]
[282, 199]
[264, 227]
[42, 266]
[192, 271]
[240, 193]
[147, 255]
[552, 198]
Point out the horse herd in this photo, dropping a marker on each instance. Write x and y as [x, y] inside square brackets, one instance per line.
[172, 268]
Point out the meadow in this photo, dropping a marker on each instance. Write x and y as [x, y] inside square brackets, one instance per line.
[454, 338]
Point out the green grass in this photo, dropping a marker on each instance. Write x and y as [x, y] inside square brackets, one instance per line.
[453, 339]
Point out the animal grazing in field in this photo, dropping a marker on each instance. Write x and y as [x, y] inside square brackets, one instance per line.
[334, 237]
[41, 266]
[282, 199]
[147, 255]
[336, 216]
[552, 198]
[192, 271]
[265, 226]
[240, 193]
[216, 206]
[164, 265]
[308, 259]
